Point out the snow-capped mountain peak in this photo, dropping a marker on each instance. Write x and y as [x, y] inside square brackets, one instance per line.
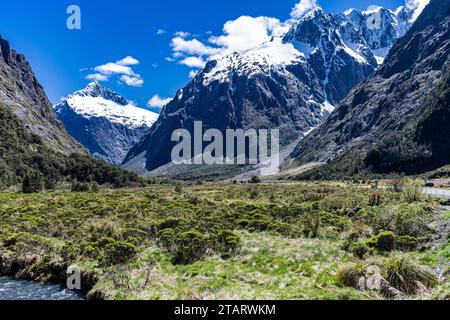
[261, 59]
[104, 122]
[98, 101]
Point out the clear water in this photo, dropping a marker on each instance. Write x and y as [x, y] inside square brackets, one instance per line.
[11, 289]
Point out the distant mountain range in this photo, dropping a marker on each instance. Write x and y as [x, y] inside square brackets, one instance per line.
[104, 122]
[291, 83]
[398, 120]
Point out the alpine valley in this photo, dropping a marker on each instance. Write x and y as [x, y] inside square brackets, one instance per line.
[290, 83]
[90, 199]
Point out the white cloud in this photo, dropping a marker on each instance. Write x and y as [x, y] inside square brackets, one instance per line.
[128, 61]
[182, 34]
[97, 77]
[247, 32]
[160, 32]
[191, 47]
[303, 7]
[193, 62]
[157, 102]
[133, 81]
[241, 34]
[120, 68]
[417, 6]
[114, 68]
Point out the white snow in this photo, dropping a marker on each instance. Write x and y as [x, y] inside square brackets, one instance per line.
[354, 54]
[328, 107]
[381, 54]
[254, 61]
[372, 9]
[99, 107]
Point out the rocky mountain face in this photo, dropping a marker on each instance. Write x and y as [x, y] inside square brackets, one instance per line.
[290, 83]
[24, 96]
[397, 119]
[104, 122]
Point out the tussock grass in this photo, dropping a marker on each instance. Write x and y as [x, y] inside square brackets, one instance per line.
[403, 274]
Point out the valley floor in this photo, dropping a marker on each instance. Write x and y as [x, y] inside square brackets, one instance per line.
[233, 241]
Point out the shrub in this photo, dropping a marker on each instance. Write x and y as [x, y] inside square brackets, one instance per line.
[350, 240]
[312, 224]
[119, 252]
[378, 217]
[412, 220]
[81, 187]
[95, 187]
[187, 247]
[408, 243]
[228, 241]
[359, 249]
[33, 182]
[404, 275]
[349, 274]
[384, 242]
[254, 193]
[169, 223]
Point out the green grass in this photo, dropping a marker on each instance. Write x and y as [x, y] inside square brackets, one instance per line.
[446, 215]
[117, 234]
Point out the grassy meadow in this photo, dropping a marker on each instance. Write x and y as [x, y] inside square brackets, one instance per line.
[234, 241]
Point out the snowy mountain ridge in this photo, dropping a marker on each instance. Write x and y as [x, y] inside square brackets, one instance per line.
[104, 122]
[96, 101]
[291, 82]
[350, 32]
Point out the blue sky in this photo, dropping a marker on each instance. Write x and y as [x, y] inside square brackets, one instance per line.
[114, 29]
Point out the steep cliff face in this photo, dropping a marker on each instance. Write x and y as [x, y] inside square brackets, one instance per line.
[290, 83]
[395, 120]
[24, 96]
[104, 122]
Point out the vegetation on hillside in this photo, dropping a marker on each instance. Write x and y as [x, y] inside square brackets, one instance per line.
[416, 147]
[26, 160]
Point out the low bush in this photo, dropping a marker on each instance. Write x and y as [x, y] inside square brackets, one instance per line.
[255, 180]
[119, 252]
[359, 249]
[228, 242]
[81, 187]
[350, 240]
[187, 247]
[412, 220]
[383, 242]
